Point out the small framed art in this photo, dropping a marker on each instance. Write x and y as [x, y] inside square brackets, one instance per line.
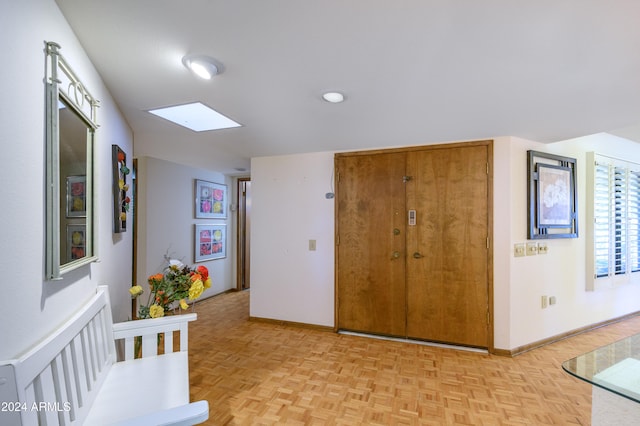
[120, 187]
[211, 242]
[76, 196]
[76, 242]
[552, 196]
[211, 200]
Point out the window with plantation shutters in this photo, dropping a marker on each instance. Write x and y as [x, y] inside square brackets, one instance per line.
[616, 218]
[602, 219]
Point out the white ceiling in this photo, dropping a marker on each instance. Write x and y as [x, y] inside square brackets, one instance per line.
[413, 71]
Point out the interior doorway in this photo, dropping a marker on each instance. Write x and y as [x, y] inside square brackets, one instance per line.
[244, 233]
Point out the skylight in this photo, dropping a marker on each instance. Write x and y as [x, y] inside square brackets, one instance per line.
[195, 116]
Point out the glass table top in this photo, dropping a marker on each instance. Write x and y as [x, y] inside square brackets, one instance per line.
[614, 367]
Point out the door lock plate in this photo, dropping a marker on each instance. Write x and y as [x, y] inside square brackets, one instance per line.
[412, 218]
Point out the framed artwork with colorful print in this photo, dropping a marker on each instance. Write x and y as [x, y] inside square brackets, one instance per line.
[211, 242]
[211, 200]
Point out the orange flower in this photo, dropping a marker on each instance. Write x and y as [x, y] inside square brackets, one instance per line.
[156, 277]
[203, 271]
[153, 279]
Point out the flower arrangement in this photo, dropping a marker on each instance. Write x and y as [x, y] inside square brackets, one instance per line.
[177, 283]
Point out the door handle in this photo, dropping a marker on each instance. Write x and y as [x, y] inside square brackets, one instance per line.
[417, 255]
[395, 255]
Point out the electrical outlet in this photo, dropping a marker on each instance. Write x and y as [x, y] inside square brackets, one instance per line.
[518, 250]
[544, 302]
[543, 248]
[532, 249]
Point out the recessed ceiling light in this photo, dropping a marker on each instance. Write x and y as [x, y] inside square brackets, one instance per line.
[333, 97]
[203, 66]
[195, 116]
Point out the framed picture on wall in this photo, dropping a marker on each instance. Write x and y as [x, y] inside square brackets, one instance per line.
[211, 242]
[76, 196]
[121, 200]
[76, 242]
[211, 200]
[552, 196]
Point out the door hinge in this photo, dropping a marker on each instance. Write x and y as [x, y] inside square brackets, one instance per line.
[337, 240]
[488, 245]
[487, 167]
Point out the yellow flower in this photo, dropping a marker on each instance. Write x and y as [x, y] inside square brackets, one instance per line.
[156, 311]
[207, 282]
[183, 304]
[196, 289]
[78, 204]
[135, 291]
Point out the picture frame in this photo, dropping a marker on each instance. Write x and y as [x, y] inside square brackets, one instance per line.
[76, 196]
[121, 200]
[76, 241]
[210, 242]
[210, 200]
[552, 196]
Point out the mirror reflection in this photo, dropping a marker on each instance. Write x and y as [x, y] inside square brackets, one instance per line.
[74, 134]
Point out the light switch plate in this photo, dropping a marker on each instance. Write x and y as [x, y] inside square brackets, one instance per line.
[518, 250]
[542, 248]
[532, 249]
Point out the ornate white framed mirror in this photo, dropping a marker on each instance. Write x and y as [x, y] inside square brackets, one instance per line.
[70, 133]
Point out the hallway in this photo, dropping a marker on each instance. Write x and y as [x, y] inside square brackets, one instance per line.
[255, 373]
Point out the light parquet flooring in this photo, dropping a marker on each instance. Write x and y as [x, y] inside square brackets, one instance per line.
[255, 373]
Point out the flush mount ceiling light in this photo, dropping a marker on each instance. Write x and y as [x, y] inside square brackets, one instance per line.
[203, 66]
[333, 97]
[196, 116]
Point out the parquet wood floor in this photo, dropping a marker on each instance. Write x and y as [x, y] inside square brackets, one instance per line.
[255, 373]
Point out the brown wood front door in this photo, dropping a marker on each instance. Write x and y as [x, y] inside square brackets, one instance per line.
[447, 262]
[371, 249]
[428, 280]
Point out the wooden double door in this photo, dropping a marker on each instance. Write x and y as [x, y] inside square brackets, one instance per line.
[412, 251]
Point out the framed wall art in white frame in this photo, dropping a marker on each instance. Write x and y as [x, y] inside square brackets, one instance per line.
[76, 241]
[210, 242]
[211, 200]
[76, 196]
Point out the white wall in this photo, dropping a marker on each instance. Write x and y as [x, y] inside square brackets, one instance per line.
[561, 272]
[33, 307]
[290, 283]
[166, 221]
[289, 208]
